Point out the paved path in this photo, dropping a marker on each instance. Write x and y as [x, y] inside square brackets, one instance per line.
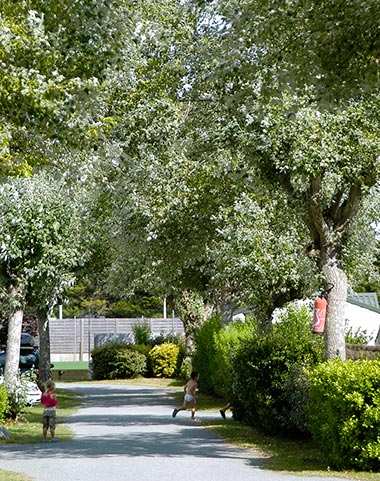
[126, 433]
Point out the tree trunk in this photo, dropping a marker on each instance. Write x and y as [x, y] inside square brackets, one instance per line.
[336, 305]
[193, 311]
[328, 229]
[11, 371]
[44, 347]
[227, 311]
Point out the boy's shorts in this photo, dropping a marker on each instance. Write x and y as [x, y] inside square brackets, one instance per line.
[49, 419]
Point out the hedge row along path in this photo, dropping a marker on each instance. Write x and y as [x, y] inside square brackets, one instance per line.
[127, 433]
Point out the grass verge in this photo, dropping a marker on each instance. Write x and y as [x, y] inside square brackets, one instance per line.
[300, 458]
[290, 457]
[11, 476]
[28, 429]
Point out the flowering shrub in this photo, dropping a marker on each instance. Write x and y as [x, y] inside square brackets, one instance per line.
[165, 359]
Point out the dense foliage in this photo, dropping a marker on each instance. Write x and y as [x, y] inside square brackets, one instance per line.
[344, 413]
[265, 366]
[4, 406]
[205, 353]
[166, 360]
[53, 58]
[117, 361]
[160, 356]
[234, 196]
[215, 349]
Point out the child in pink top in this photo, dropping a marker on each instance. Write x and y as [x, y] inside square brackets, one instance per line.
[49, 400]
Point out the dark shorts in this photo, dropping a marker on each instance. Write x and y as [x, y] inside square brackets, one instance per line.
[49, 419]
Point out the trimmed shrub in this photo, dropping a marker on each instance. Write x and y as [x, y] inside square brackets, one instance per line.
[178, 340]
[165, 360]
[265, 368]
[215, 348]
[226, 342]
[4, 406]
[204, 354]
[128, 364]
[144, 349]
[117, 361]
[344, 413]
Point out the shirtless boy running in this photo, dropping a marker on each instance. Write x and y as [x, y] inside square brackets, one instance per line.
[190, 391]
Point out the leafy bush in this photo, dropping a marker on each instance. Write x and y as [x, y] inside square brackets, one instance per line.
[186, 368]
[142, 333]
[144, 349]
[183, 369]
[226, 342]
[102, 359]
[4, 406]
[204, 354]
[296, 393]
[264, 368]
[215, 348]
[128, 364]
[117, 361]
[165, 360]
[18, 398]
[357, 336]
[171, 338]
[344, 413]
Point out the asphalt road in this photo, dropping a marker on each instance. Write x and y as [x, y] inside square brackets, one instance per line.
[127, 433]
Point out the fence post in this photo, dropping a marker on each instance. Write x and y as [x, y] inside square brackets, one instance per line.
[75, 338]
[81, 339]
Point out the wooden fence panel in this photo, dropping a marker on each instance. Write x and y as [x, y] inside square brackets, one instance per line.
[74, 338]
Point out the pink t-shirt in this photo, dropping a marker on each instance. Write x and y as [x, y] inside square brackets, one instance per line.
[48, 400]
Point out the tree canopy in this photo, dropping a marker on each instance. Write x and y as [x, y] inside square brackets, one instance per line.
[54, 56]
[231, 146]
[41, 244]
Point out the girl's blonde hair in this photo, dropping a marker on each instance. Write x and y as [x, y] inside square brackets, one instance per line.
[50, 385]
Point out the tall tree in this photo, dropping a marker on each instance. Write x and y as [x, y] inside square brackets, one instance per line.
[280, 68]
[41, 244]
[182, 184]
[55, 56]
[148, 144]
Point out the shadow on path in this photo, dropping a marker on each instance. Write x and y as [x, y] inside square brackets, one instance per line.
[131, 421]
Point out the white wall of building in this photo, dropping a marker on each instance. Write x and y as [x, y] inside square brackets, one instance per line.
[363, 319]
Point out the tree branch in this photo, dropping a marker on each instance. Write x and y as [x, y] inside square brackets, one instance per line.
[349, 207]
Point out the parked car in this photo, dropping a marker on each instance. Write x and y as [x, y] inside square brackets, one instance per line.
[29, 361]
[29, 354]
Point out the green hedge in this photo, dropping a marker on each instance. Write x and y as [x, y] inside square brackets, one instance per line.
[215, 348]
[144, 349]
[204, 355]
[226, 342]
[265, 369]
[4, 405]
[344, 413]
[117, 361]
